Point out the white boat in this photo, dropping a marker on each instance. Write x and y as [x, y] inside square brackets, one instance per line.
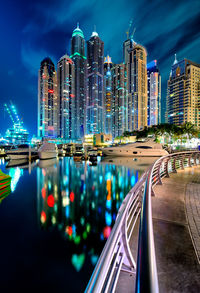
[147, 148]
[21, 152]
[47, 151]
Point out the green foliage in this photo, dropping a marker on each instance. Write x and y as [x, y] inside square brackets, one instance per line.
[171, 131]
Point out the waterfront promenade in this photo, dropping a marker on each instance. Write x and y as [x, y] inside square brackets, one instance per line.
[176, 223]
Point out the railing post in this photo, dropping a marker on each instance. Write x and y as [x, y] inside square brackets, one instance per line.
[166, 168]
[158, 174]
[182, 162]
[189, 161]
[195, 160]
[174, 165]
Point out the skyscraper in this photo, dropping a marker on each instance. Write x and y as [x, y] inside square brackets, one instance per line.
[95, 99]
[154, 93]
[183, 93]
[66, 98]
[79, 59]
[137, 87]
[108, 98]
[119, 105]
[47, 99]
[127, 45]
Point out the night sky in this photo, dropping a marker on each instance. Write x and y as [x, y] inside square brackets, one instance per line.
[32, 30]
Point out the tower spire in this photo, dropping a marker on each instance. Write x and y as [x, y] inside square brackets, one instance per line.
[175, 60]
[94, 33]
[77, 24]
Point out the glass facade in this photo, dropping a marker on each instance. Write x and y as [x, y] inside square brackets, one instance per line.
[79, 59]
[95, 79]
[154, 93]
[137, 87]
[183, 93]
[66, 98]
[108, 95]
[47, 99]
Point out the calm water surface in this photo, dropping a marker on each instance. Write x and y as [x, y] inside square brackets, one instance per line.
[55, 222]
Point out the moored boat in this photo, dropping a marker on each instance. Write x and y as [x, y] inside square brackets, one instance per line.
[21, 152]
[47, 151]
[147, 148]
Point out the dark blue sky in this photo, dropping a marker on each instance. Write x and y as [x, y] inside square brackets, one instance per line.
[32, 30]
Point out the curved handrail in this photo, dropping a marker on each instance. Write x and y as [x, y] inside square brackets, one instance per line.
[116, 252]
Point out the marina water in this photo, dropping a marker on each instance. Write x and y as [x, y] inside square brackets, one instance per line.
[57, 218]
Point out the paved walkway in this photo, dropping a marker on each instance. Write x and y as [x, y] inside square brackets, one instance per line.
[176, 223]
[176, 218]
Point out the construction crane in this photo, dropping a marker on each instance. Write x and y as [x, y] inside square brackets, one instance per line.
[133, 32]
[9, 113]
[15, 134]
[128, 31]
[14, 110]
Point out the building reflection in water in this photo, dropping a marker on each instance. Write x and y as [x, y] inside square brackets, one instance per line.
[82, 202]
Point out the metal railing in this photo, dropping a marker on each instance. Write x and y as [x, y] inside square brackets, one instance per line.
[116, 255]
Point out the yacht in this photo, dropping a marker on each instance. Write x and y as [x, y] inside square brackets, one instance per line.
[47, 151]
[92, 154]
[21, 152]
[137, 149]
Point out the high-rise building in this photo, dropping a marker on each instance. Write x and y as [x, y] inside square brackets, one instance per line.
[66, 98]
[108, 99]
[47, 99]
[119, 104]
[95, 99]
[183, 93]
[79, 59]
[137, 87]
[127, 45]
[154, 93]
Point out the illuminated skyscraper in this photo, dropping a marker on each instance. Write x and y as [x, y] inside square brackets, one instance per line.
[183, 93]
[66, 98]
[154, 93]
[119, 105]
[108, 98]
[127, 45]
[137, 87]
[79, 59]
[47, 99]
[95, 99]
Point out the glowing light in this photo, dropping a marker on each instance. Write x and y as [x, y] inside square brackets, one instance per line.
[50, 201]
[72, 96]
[69, 230]
[43, 192]
[77, 240]
[53, 220]
[65, 201]
[78, 54]
[133, 180]
[108, 218]
[71, 196]
[78, 261]
[43, 217]
[15, 174]
[88, 228]
[50, 91]
[69, 61]
[108, 187]
[106, 232]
